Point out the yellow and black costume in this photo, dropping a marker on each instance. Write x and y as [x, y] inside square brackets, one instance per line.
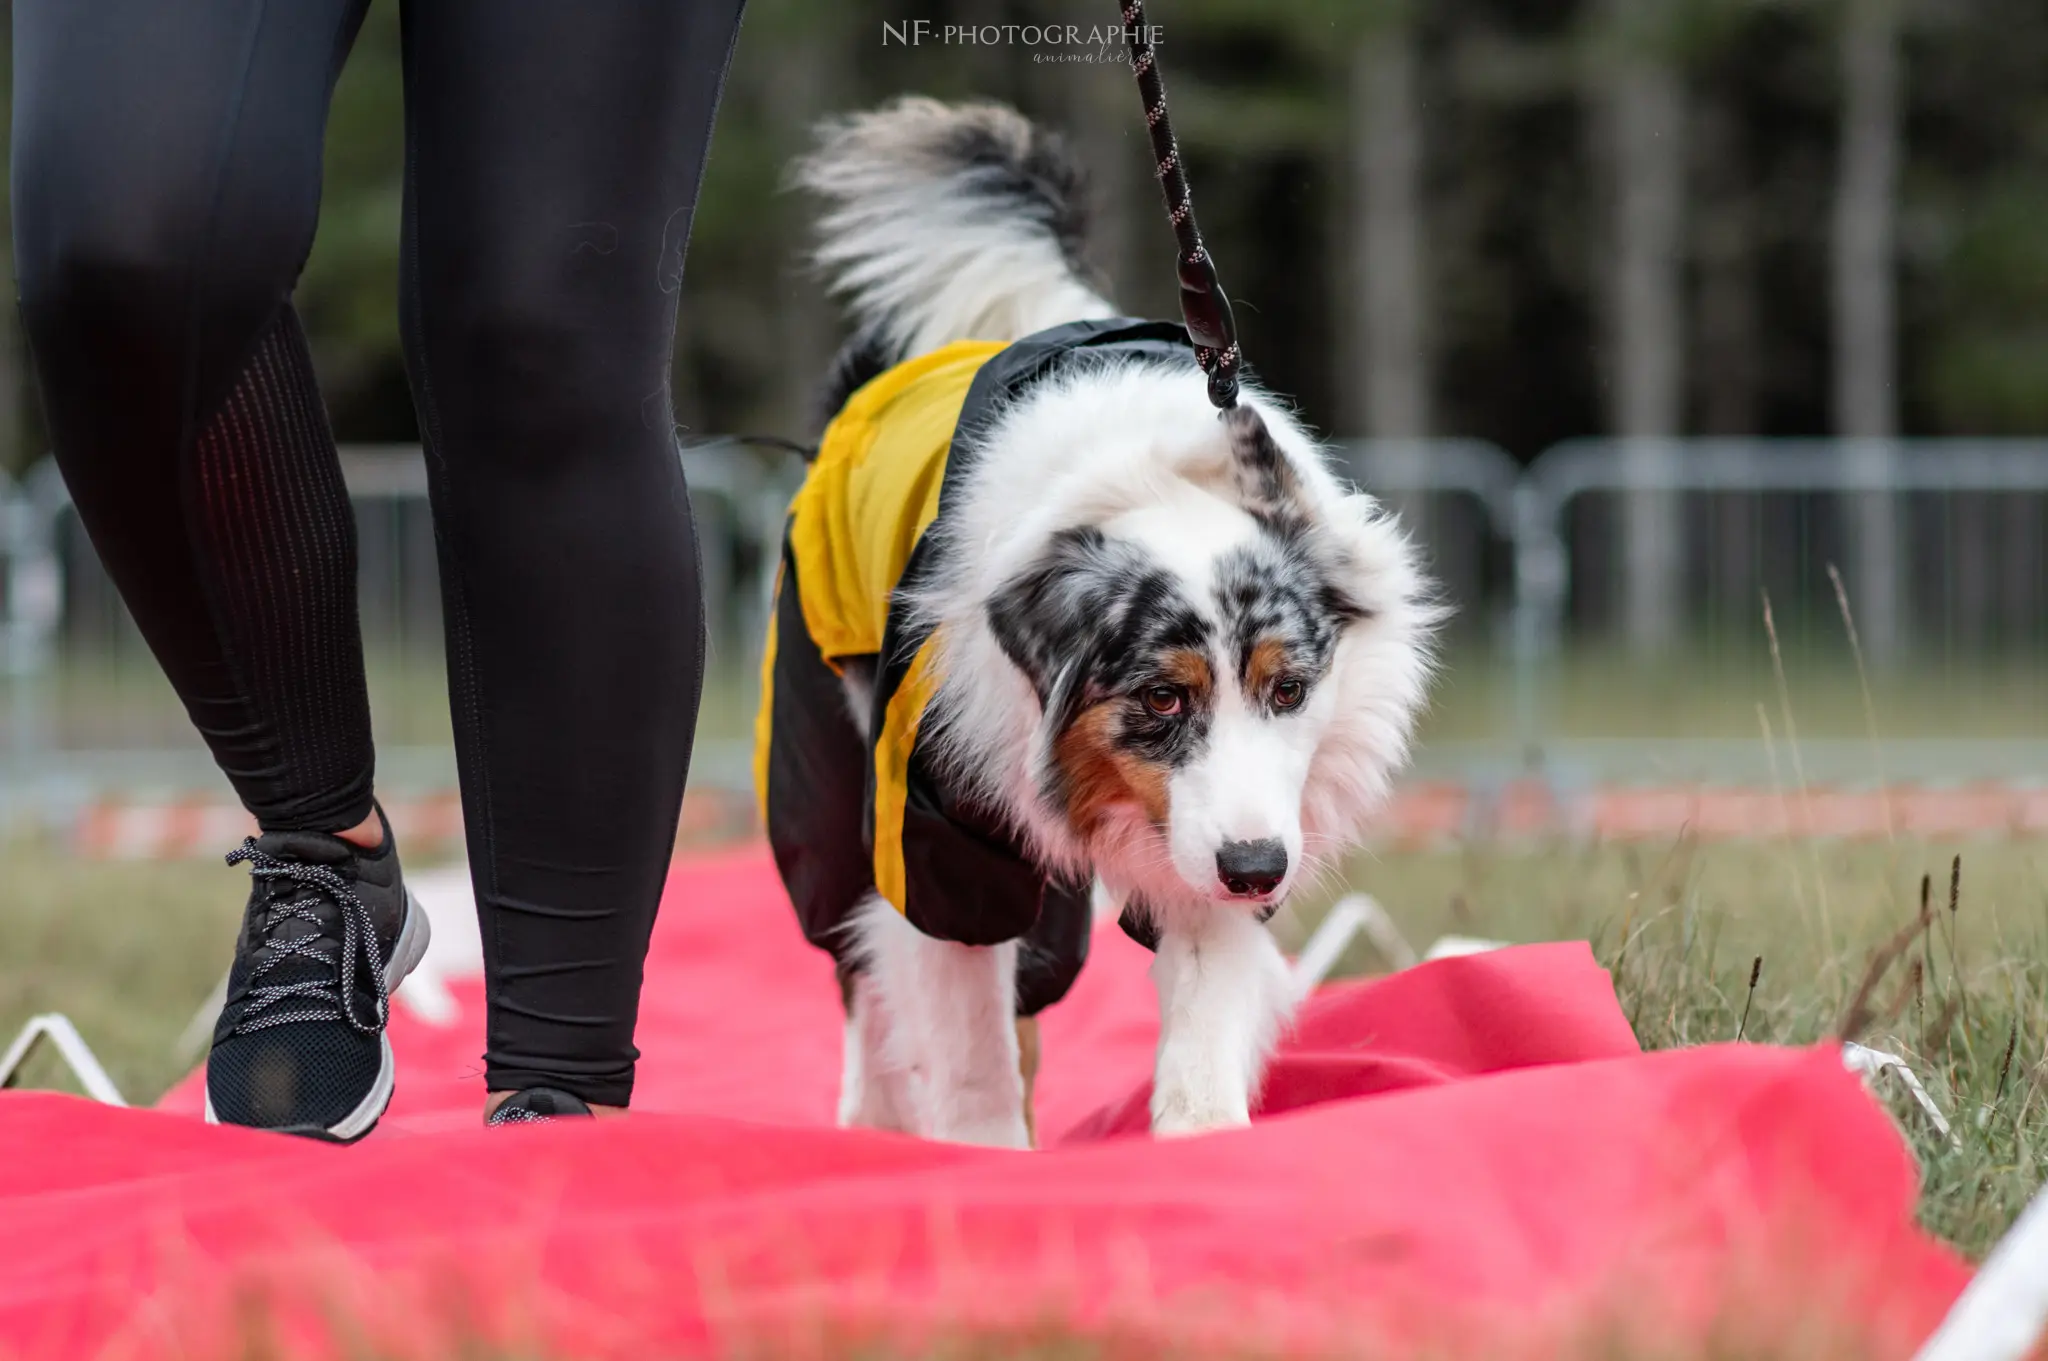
[845, 816]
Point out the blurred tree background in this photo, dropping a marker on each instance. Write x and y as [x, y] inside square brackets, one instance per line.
[1520, 220]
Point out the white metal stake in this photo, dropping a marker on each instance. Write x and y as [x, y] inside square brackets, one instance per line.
[2003, 1311]
[1326, 946]
[77, 1054]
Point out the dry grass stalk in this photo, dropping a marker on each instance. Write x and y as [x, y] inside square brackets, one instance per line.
[1820, 882]
[1942, 1027]
[1869, 708]
[1955, 893]
[1756, 972]
[2012, 1040]
[1858, 1015]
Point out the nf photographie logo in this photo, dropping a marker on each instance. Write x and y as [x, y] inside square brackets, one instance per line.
[1045, 42]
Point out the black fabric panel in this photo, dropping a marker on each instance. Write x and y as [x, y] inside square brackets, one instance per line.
[966, 878]
[278, 541]
[1055, 949]
[1139, 926]
[817, 763]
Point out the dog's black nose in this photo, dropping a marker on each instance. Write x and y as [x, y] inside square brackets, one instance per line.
[1252, 869]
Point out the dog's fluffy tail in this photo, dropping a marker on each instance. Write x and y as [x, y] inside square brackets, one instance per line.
[948, 222]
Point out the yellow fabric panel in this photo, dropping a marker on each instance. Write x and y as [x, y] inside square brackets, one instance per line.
[764, 717]
[873, 491]
[892, 773]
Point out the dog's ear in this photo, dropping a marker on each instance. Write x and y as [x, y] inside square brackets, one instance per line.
[1367, 559]
[1039, 614]
[1267, 484]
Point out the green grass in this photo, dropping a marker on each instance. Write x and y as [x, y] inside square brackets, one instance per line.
[130, 950]
[1708, 692]
[121, 701]
[1680, 926]
[1619, 1332]
[1697, 692]
[127, 950]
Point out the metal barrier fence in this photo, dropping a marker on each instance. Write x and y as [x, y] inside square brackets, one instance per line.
[1530, 557]
[1962, 575]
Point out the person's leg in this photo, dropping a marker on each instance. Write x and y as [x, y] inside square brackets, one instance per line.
[166, 176]
[554, 152]
[166, 179]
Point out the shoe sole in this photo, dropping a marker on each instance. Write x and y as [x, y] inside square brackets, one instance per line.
[406, 955]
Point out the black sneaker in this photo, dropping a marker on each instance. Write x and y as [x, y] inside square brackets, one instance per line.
[537, 1105]
[329, 931]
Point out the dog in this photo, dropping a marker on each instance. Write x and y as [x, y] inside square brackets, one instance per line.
[1049, 633]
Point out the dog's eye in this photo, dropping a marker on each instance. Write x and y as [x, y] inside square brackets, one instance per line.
[1288, 693]
[1164, 700]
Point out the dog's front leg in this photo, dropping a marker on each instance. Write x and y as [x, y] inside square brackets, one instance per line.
[1223, 996]
[874, 1088]
[949, 1015]
[973, 1087]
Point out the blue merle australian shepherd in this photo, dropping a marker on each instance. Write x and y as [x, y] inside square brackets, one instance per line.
[1051, 635]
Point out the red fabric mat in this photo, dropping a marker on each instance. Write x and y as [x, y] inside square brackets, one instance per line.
[1471, 1151]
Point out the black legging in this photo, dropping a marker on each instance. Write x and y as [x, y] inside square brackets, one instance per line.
[166, 168]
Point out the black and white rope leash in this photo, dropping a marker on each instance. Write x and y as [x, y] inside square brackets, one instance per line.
[358, 937]
[1203, 306]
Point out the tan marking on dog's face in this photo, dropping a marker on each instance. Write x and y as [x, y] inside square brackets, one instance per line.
[1266, 666]
[1101, 769]
[1190, 671]
[1100, 774]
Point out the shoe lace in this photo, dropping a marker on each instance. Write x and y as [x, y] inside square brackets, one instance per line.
[358, 938]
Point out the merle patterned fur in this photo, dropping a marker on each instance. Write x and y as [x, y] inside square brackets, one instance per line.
[1094, 618]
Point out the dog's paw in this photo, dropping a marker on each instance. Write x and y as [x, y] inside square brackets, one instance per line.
[1176, 1114]
[998, 1133]
[875, 1109]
